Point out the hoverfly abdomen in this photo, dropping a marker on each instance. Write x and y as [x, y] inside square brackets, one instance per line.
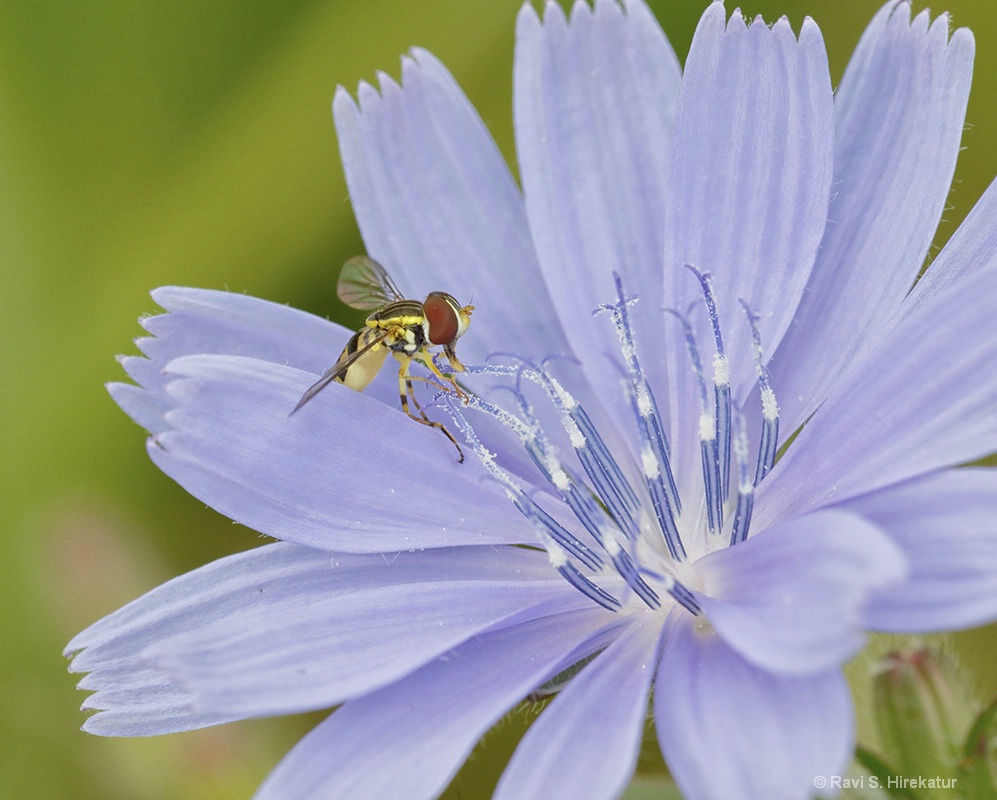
[407, 328]
[358, 373]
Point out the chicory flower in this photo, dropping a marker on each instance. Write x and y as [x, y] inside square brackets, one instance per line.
[632, 523]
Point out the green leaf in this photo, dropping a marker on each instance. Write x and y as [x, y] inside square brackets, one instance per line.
[883, 773]
[978, 769]
[652, 788]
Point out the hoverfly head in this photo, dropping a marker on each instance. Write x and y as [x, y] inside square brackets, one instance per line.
[446, 319]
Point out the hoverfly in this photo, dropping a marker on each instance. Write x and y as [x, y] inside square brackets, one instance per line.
[407, 328]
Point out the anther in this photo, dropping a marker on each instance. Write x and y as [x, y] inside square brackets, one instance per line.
[769, 444]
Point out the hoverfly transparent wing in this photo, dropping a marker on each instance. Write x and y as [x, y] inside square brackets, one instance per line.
[365, 285]
[338, 370]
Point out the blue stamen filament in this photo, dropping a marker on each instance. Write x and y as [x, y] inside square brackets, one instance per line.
[745, 485]
[601, 498]
[595, 457]
[557, 541]
[721, 394]
[707, 431]
[655, 453]
[770, 408]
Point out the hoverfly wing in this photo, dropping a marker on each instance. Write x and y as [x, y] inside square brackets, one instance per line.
[338, 370]
[365, 285]
[313, 390]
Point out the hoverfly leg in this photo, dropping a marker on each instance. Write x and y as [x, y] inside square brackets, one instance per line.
[455, 363]
[405, 391]
[410, 394]
[461, 394]
[440, 427]
[430, 381]
[448, 379]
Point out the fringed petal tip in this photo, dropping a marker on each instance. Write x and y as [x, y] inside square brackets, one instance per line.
[332, 628]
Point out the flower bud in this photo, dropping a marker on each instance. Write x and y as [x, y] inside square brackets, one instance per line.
[921, 712]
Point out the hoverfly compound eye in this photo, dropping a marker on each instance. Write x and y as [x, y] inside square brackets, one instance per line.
[444, 318]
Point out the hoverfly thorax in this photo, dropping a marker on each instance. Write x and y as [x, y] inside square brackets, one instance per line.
[405, 328]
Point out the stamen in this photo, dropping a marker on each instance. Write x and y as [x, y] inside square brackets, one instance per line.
[625, 566]
[561, 535]
[582, 504]
[543, 455]
[584, 508]
[770, 408]
[685, 598]
[678, 591]
[526, 505]
[745, 486]
[721, 384]
[655, 452]
[587, 588]
[593, 454]
[595, 457]
[707, 431]
[589, 514]
[599, 495]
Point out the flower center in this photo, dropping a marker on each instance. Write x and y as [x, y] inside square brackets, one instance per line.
[628, 541]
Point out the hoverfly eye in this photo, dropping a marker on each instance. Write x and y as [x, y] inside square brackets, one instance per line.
[441, 314]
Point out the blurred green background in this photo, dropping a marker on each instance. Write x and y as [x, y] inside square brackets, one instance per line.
[191, 143]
